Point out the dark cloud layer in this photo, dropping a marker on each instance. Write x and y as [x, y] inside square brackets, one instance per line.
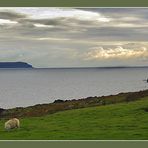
[11, 15]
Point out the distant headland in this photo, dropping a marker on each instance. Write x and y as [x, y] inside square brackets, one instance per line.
[15, 65]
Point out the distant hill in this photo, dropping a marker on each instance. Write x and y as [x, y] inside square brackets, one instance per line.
[15, 65]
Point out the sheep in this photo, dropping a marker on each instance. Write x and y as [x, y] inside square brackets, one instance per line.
[12, 123]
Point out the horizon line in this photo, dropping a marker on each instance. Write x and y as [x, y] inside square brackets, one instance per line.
[90, 67]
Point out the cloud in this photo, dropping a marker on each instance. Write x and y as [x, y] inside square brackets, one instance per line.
[93, 24]
[42, 25]
[4, 21]
[52, 13]
[11, 15]
[99, 53]
[61, 18]
[54, 39]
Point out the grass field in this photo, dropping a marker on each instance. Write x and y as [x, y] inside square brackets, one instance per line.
[116, 121]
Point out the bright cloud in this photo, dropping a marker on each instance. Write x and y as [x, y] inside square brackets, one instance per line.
[55, 39]
[42, 26]
[51, 13]
[119, 52]
[5, 21]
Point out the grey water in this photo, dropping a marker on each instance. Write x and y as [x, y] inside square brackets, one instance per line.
[25, 87]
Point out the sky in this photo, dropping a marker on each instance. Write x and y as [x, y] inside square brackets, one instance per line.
[74, 37]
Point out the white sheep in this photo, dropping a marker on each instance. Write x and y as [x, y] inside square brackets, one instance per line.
[12, 123]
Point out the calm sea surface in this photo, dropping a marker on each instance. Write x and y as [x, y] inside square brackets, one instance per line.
[25, 87]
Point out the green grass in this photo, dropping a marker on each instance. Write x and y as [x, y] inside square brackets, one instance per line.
[117, 121]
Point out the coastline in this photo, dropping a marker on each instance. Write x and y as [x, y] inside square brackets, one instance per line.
[62, 105]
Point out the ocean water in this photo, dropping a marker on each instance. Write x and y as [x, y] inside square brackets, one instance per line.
[25, 87]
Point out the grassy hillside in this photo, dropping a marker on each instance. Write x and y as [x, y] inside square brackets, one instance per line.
[115, 121]
[61, 105]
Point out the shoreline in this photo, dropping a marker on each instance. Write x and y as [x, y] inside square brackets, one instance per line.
[62, 105]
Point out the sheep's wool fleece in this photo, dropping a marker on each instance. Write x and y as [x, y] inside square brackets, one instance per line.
[12, 123]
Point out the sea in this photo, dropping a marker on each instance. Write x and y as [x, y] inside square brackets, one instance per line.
[27, 87]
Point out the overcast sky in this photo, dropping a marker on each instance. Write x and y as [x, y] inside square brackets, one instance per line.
[74, 37]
